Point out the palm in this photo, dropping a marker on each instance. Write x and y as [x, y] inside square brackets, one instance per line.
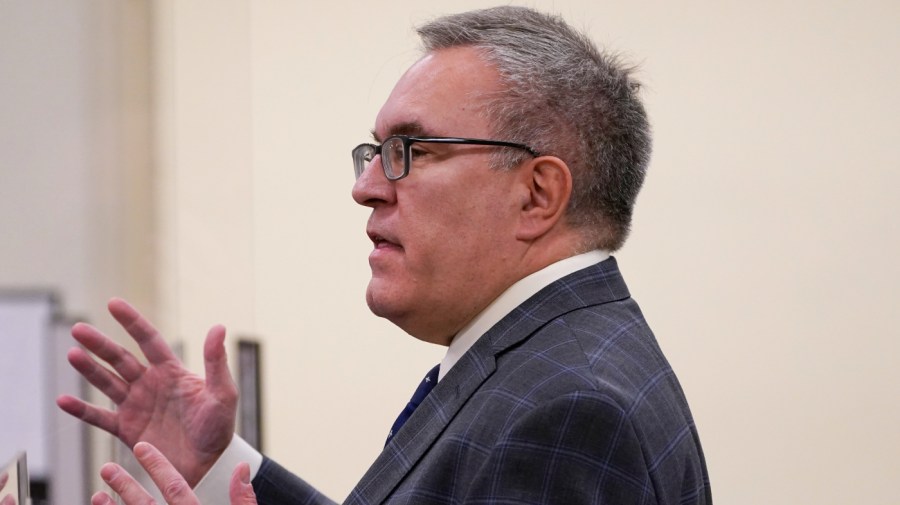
[173, 410]
[189, 419]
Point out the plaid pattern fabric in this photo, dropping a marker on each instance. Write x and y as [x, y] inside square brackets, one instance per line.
[566, 400]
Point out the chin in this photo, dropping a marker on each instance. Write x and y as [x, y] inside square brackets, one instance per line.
[381, 304]
[388, 304]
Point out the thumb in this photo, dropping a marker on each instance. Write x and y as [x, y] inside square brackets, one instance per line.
[218, 378]
[240, 490]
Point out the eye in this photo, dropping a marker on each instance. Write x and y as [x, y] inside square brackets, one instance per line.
[393, 150]
[417, 152]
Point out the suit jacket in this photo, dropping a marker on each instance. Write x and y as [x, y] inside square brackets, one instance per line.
[568, 399]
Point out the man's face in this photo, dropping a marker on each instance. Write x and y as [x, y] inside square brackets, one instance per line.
[444, 236]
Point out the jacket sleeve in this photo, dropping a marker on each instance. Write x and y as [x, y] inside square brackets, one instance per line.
[274, 485]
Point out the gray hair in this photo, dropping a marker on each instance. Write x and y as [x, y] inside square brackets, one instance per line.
[566, 98]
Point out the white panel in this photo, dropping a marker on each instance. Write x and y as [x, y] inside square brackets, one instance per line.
[25, 324]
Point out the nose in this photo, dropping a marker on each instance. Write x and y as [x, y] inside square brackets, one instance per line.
[373, 187]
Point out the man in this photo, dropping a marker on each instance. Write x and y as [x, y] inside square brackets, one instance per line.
[504, 171]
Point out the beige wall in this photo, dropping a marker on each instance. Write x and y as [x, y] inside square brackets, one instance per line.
[763, 251]
[76, 211]
[75, 191]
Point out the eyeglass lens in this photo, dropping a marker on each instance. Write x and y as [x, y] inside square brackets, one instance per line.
[362, 156]
[392, 157]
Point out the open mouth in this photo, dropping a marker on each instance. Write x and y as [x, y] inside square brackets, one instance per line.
[381, 241]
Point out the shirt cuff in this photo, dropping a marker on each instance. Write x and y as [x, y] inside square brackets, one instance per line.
[213, 487]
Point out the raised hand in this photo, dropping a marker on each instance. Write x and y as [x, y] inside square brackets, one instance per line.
[189, 419]
[174, 488]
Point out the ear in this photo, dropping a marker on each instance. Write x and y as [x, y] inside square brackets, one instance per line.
[546, 190]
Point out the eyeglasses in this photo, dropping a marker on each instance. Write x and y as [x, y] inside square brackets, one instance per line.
[397, 153]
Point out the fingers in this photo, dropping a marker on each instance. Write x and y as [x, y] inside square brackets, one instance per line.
[123, 484]
[117, 356]
[240, 490]
[218, 377]
[148, 338]
[7, 499]
[174, 488]
[95, 416]
[100, 498]
[107, 382]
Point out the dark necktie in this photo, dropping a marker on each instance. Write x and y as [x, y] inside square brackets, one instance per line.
[422, 391]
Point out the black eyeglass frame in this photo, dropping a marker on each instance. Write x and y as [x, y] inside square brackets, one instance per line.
[360, 162]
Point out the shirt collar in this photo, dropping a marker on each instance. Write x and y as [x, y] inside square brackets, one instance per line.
[514, 296]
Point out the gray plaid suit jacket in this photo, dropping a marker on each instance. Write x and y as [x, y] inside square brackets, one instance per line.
[568, 399]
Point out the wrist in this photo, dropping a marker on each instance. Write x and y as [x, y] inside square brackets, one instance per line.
[213, 487]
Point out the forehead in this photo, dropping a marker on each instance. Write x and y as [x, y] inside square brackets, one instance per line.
[442, 94]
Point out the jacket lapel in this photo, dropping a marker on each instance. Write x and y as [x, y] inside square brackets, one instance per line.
[594, 285]
[424, 426]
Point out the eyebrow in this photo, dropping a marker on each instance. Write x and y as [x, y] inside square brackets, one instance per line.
[411, 128]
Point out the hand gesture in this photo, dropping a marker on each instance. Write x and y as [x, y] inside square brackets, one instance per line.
[190, 420]
[175, 489]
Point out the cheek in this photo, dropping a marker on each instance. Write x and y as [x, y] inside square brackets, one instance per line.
[430, 221]
[453, 229]
[454, 243]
